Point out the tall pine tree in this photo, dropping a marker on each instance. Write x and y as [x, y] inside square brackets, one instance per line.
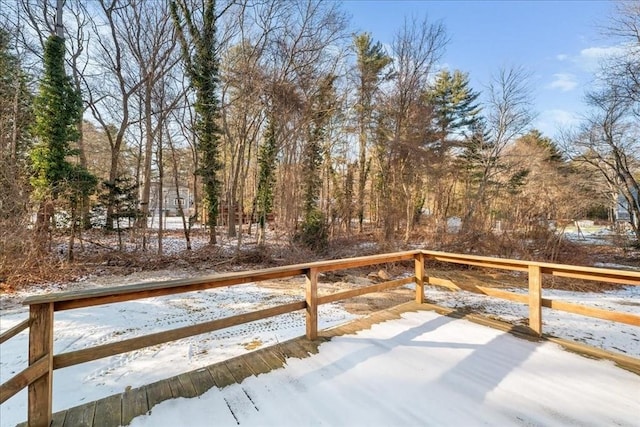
[371, 62]
[455, 110]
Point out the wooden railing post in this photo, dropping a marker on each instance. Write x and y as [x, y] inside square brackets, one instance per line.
[535, 299]
[419, 279]
[41, 346]
[312, 303]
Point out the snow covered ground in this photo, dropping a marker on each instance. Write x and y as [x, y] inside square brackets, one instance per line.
[423, 369]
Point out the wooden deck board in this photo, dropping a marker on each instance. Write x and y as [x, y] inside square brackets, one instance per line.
[311, 346]
[257, 364]
[59, 419]
[187, 388]
[134, 403]
[158, 392]
[270, 358]
[221, 375]
[291, 349]
[202, 381]
[81, 416]
[108, 411]
[239, 369]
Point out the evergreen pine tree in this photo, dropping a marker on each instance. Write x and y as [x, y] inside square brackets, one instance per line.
[454, 108]
[371, 62]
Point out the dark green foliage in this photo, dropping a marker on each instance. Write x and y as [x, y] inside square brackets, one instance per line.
[455, 110]
[58, 110]
[16, 116]
[313, 233]
[201, 66]
[314, 224]
[266, 176]
[598, 211]
[476, 155]
[16, 113]
[123, 197]
[517, 180]
[535, 138]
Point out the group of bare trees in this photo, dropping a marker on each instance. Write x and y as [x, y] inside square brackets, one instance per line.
[608, 141]
[272, 111]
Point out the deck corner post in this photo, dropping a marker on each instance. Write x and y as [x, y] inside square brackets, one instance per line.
[40, 406]
[311, 291]
[535, 299]
[419, 277]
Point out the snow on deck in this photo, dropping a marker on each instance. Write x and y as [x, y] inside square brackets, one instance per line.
[422, 369]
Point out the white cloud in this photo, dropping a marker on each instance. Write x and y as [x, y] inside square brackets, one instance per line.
[561, 57]
[563, 81]
[590, 58]
[601, 52]
[551, 122]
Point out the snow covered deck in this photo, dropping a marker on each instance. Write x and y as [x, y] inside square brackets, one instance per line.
[422, 368]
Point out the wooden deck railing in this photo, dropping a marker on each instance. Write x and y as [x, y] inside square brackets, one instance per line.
[38, 376]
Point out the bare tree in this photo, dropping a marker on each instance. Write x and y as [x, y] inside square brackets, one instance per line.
[508, 114]
[608, 141]
[113, 87]
[622, 72]
[608, 138]
[400, 143]
[149, 36]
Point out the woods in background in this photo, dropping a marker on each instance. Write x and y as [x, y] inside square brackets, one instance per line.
[273, 113]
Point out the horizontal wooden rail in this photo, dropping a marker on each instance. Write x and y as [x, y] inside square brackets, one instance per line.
[622, 277]
[338, 296]
[482, 290]
[92, 297]
[603, 275]
[98, 352]
[343, 264]
[598, 313]
[23, 379]
[480, 261]
[12, 332]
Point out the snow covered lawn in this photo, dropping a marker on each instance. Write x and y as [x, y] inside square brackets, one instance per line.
[423, 369]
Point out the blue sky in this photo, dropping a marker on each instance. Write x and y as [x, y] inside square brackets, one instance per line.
[558, 42]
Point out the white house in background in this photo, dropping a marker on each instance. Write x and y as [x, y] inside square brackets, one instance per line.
[171, 197]
[623, 213]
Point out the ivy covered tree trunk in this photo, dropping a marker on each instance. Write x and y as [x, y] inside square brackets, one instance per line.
[198, 42]
[266, 177]
[314, 233]
[58, 108]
